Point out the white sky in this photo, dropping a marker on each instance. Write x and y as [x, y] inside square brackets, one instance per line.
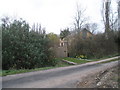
[52, 14]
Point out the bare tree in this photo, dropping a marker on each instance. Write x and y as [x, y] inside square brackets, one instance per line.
[106, 15]
[119, 15]
[87, 26]
[109, 17]
[113, 20]
[80, 19]
[94, 27]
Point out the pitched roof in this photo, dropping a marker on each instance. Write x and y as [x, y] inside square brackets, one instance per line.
[86, 31]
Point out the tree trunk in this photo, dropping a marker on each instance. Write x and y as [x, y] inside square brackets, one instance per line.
[107, 12]
[119, 15]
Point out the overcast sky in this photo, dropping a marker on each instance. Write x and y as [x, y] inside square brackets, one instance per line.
[52, 14]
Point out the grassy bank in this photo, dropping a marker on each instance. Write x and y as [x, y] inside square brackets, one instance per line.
[81, 61]
[10, 72]
[76, 60]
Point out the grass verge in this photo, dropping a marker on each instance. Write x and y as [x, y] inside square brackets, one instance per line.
[106, 57]
[12, 71]
[81, 61]
[118, 59]
[76, 60]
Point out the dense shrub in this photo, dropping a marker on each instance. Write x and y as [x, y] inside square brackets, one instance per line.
[23, 48]
[96, 47]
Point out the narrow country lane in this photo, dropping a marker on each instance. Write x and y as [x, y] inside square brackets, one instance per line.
[63, 77]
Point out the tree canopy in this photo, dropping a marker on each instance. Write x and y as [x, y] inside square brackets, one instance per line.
[24, 48]
[64, 33]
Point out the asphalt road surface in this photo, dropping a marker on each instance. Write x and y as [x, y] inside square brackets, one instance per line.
[63, 77]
